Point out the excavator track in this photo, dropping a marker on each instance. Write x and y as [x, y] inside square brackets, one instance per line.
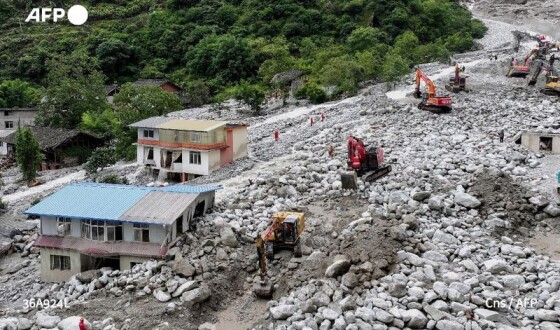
[374, 175]
[432, 108]
[550, 91]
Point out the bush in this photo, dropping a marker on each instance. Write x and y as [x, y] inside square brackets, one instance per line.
[313, 92]
[99, 159]
[114, 178]
[35, 201]
[2, 205]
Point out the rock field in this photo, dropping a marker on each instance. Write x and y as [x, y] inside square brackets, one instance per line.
[442, 242]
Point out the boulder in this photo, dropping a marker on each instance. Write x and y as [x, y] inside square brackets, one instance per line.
[195, 296]
[11, 323]
[339, 267]
[23, 324]
[539, 201]
[466, 200]
[161, 295]
[182, 267]
[45, 320]
[228, 238]
[282, 312]
[187, 286]
[88, 276]
[415, 318]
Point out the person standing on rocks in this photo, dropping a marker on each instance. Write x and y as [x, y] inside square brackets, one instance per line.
[501, 134]
[82, 324]
[330, 150]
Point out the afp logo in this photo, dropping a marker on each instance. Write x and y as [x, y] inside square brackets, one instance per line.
[77, 14]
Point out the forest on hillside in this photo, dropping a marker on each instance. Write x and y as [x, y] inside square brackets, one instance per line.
[217, 49]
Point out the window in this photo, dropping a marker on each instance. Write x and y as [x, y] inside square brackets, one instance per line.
[9, 124]
[149, 133]
[1, 144]
[86, 229]
[97, 230]
[141, 232]
[194, 157]
[114, 231]
[545, 143]
[60, 262]
[6, 113]
[63, 226]
[195, 137]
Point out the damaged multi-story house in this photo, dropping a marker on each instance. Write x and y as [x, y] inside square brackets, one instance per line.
[87, 226]
[183, 149]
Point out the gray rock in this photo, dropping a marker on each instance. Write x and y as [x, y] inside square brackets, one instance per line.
[282, 312]
[421, 195]
[546, 315]
[195, 296]
[434, 256]
[10, 323]
[415, 318]
[161, 295]
[466, 200]
[88, 276]
[553, 210]
[339, 267]
[350, 280]
[228, 238]
[44, 320]
[449, 325]
[539, 201]
[365, 314]
[496, 266]
[183, 267]
[383, 316]
[187, 286]
[23, 324]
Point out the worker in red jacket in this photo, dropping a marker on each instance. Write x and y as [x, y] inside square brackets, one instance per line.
[82, 324]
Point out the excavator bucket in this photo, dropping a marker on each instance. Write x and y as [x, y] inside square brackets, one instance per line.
[349, 180]
[551, 91]
[263, 289]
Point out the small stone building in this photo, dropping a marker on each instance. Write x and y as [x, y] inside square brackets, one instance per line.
[540, 140]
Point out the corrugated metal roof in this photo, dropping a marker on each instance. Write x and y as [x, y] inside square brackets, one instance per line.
[152, 122]
[184, 188]
[192, 125]
[90, 201]
[97, 248]
[159, 207]
[6, 132]
[103, 201]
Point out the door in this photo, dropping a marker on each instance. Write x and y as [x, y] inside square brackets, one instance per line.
[179, 224]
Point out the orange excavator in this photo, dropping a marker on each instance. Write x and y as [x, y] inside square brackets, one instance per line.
[431, 101]
[457, 82]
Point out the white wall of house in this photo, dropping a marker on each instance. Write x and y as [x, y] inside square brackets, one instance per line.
[48, 226]
[158, 234]
[24, 117]
[240, 142]
[202, 169]
[3, 149]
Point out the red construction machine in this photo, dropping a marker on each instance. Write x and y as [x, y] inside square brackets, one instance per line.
[363, 162]
[431, 101]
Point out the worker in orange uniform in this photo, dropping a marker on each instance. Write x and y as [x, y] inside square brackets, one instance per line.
[276, 135]
[330, 150]
[311, 121]
[322, 116]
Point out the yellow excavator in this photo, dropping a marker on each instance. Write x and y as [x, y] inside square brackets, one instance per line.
[284, 231]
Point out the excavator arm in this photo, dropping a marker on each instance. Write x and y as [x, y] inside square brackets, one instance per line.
[420, 76]
[262, 288]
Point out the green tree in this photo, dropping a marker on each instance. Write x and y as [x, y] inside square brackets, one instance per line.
[28, 153]
[17, 93]
[74, 86]
[226, 58]
[134, 103]
[365, 37]
[251, 95]
[394, 67]
[343, 72]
